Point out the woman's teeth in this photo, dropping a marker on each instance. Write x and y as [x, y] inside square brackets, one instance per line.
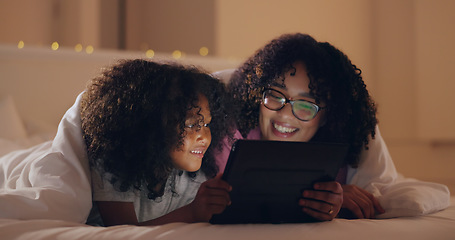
[282, 129]
[196, 152]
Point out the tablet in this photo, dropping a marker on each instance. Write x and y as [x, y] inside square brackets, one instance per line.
[268, 177]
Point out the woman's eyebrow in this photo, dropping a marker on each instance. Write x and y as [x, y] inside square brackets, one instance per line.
[301, 94]
[306, 94]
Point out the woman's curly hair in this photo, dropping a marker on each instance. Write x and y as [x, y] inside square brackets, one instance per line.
[134, 114]
[334, 80]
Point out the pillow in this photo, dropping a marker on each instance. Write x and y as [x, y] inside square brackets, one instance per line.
[410, 197]
[224, 75]
[11, 125]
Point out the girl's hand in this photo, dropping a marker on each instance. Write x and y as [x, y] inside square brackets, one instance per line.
[211, 198]
[360, 203]
[324, 202]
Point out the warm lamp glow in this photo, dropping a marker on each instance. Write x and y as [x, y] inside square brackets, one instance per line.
[150, 53]
[177, 54]
[89, 49]
[21, 44]
[54, 46]
[78, 47]
[203, 51]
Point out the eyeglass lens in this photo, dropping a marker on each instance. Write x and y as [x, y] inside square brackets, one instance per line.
[303, 110]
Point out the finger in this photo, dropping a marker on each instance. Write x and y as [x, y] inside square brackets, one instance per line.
[376, 205]
[365, 201]
[219, 194]
[354, 208]
[372, 202]
[319, 206]
[333, 186]
[318, 215]
[217, 183]
[329, 197]
[219, 200]
[216, 208]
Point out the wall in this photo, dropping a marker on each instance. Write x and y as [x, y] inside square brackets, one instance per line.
[244, 26]
[405, 49]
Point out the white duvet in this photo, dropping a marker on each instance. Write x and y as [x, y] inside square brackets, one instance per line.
[399, 196]
[50, 180]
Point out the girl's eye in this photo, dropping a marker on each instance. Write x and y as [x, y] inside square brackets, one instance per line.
[196, 126]
[191, 125]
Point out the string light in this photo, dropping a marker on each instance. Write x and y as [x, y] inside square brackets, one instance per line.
[177, 54]
[89, 49]
[54, 46]
[21, 44]
[78, 47]
[203, 51]
[150, 53]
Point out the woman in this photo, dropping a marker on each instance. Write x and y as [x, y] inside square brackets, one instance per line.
[298, 89]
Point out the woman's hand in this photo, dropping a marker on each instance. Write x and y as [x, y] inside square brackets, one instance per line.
[324, 201]
[211, 198]
[360, 203]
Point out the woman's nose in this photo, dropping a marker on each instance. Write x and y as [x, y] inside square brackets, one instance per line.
[286, 111]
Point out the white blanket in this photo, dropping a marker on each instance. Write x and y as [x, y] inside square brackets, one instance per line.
[50, 180]
[437, 226]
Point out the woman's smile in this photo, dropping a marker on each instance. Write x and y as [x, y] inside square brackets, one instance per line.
[283, 130]
[282, 124]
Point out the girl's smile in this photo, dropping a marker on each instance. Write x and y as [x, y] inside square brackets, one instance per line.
[197, 138]
[199, 152]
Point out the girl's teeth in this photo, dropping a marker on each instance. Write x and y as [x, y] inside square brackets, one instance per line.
[196, 152]
[283, 129]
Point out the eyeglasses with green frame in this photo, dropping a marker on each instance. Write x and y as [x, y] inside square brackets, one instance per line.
[302, 109]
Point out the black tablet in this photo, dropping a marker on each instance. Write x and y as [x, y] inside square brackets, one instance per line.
[268, 177]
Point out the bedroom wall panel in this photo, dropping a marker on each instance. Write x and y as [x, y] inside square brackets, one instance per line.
[435, 73]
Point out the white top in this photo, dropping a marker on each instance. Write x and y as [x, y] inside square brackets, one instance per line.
[180, 190]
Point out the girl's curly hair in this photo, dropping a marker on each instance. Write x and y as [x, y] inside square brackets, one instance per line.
[134, 114]
[334, 80]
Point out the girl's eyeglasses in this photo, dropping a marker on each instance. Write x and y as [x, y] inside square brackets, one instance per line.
[302, 110]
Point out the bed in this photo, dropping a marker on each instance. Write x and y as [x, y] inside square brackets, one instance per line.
[32, 79]
[437, 226]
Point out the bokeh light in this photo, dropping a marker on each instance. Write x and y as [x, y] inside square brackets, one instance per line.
[150, 53]
[78, 47]
[177, 54]
[20, 44]
[89, 49]
[203, 51]
[55, 46]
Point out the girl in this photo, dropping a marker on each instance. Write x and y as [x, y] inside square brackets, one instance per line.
[150, 130]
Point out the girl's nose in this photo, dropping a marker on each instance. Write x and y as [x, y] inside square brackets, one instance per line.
[204, 135]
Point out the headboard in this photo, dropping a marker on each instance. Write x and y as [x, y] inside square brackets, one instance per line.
[44, 83]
